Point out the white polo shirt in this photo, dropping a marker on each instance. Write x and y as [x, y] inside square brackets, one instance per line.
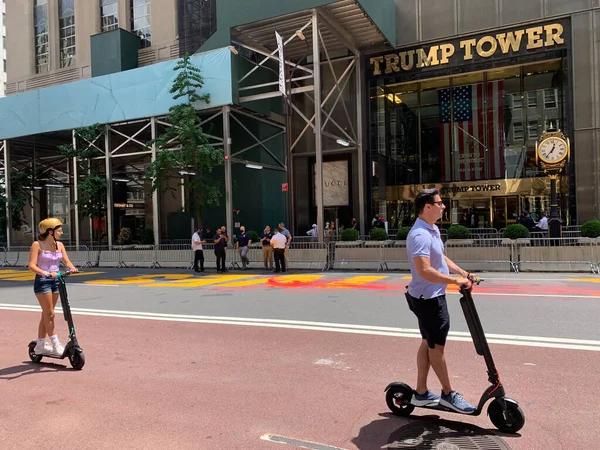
[278, 241]
[196, 242]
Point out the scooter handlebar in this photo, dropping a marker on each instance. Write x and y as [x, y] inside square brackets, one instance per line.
[66, 273]
[475, 280]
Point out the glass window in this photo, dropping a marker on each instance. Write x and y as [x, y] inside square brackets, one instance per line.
[66, 24]
[474, 126]
[109, 15]
[140, 21]
[40, 30]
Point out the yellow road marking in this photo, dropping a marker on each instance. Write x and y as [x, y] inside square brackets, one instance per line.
[281, 280]
[586, 280]
[25, 275]
[353, 281]
[203, 281]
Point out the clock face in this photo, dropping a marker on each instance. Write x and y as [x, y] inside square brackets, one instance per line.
[552, 150]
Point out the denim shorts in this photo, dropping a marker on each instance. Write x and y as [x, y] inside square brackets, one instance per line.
[44, 285]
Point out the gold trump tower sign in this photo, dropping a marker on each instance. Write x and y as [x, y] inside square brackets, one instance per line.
[471, 49]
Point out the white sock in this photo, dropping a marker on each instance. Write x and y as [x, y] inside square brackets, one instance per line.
[54, 339]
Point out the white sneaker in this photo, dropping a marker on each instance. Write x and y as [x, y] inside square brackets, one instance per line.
[46, 347]
[58, 349]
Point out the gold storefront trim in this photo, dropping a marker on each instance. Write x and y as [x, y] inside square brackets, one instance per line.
[527, 187]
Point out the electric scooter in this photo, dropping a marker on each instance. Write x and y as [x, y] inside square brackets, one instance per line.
[505, 413]
[72, 350]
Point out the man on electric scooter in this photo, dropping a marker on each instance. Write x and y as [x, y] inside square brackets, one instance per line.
[426, 297]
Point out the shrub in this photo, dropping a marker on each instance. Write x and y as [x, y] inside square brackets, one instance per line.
[516, 231]
[403, 233]
[124, 236]
[458, 232]
[591, 229]
[379, 234]
[350, 234]
[254, 237]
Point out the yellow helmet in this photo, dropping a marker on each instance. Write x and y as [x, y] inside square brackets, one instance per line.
[49, 224]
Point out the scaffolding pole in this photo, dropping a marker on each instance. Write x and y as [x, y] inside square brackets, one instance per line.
[228, 178]
[75, 194]
[155, 203]
[7, 192]
[318, 125]
[109, 190]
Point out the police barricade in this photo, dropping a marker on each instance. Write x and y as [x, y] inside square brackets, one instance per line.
[3, 261]
[307, 255]
[182, 255]
[481, 254]
[104, 256]
[137, 256]
[356, 255]
[79, 255]
[17, 256]
[556, 255]
[395, 257]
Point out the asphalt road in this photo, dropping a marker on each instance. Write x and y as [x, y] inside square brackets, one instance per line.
[255, 361]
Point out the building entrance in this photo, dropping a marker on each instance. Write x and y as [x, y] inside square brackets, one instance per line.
[506, 211]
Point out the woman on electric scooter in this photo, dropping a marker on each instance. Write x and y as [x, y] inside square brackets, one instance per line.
[44, 258]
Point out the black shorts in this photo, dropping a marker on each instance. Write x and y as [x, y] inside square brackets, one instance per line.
[434, 320]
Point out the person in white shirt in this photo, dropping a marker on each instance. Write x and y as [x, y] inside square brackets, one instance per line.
[543, 223]
[278, 242]
[198, 251]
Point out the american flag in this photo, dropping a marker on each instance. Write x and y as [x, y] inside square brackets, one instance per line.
[462, 139]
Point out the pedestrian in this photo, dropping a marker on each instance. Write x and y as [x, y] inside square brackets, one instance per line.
[242, 245]
[198, 250]
[221, 241]
[426, 296]
[267, 249]
[45, 256]
[285, 232]
[279, 242]
[313, 232]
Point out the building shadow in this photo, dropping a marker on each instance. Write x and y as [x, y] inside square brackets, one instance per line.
[427, 433]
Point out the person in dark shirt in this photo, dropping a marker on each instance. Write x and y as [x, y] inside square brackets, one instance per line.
[527, 221]
[242, 245]
[221, 241]
[267, 249]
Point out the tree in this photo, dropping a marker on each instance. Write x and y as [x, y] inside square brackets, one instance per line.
[91, 184]
[183, 146]
[20, 197]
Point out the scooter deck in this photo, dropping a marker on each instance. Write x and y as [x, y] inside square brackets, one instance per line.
[439, 407]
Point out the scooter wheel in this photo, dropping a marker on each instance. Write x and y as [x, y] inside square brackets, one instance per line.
[77, 358]
[398, 400]
[509, 421]
[34, 358]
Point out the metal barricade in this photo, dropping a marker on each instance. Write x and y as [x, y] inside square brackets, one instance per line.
[556, 255]
[307, 255]
[395, 256]
[79, 256]
[137, 256]
[356, 255]
[17, 256]
[481, 254]
[182, 255]
[3, 261]
[104, 256]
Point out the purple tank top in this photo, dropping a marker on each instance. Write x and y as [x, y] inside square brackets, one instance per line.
[49, 261]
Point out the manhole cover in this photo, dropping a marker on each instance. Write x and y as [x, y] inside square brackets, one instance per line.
[444, 435]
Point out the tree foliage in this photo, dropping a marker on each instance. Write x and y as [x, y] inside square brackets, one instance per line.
[91, 183]
[184, 147]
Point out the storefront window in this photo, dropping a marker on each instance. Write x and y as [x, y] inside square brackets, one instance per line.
[476, 128]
